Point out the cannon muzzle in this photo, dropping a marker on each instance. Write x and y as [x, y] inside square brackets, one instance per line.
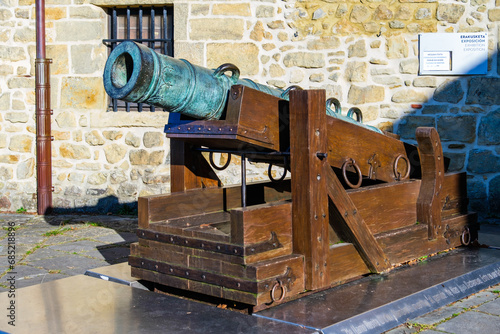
[135, 73]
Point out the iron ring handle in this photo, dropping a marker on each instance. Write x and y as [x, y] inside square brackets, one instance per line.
[336, 104]
[278, 284]
[465, 237]
[212, 163]
[228, 67]
[353, 163]
[396, 173]
[355, 111]
[287, 91]
[269, 174]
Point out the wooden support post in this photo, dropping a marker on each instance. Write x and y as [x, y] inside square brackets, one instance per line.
[189, 169]
[432, 165]
[361, 236]
[308, 141]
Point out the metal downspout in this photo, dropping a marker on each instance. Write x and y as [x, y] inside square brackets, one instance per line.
[43, 112]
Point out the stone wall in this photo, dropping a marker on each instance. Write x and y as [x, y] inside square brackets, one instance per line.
[365, 53]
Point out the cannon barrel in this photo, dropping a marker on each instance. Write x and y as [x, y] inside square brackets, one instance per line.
[136, 73]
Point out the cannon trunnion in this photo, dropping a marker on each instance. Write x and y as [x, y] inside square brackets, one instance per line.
[358, 201]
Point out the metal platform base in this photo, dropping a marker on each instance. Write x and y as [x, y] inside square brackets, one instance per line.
[371, 305]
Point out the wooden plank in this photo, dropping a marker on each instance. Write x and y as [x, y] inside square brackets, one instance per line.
[347, 214]
[308, 136]
[454, 195]
[254, 224]
[189, 169]
[345, 263]
[432, 166]
[412, 242]
[387, 206]
[374, 153]
[179, 205]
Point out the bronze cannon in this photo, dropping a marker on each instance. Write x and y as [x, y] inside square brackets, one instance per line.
[358, 201]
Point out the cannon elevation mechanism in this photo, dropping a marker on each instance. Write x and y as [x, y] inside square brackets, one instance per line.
[359, 201]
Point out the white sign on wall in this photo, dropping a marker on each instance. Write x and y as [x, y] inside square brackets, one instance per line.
[453, 54]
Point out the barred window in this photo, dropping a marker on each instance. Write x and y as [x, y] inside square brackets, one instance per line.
[152, 26]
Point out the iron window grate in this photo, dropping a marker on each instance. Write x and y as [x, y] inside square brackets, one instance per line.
[152, 26]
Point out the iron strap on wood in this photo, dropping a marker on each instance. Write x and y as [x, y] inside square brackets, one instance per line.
[239, 284]
[212, 246]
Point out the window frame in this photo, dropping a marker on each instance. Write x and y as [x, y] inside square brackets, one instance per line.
[143, 13]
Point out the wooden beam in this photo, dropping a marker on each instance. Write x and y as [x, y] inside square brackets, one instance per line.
[308, 137]
[432, 166]
[189, 169]
[347, 213]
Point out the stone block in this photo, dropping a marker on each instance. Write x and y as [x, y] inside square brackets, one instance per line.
[304, 60]
[450, 12]
[156, 158]
[94, 138]
[368, 94]
[483, 162]
[66, 119]
[429, 82]
[489, 129]
[21, 143]
[86, 12]
[397, 47]
[112, 135]
[25, 169]
[387, 80]
[78, 30]
[360, 14]
[409, 124]
[132, 140]
[9, 159]
[153, 139]
[457, 128]
[74, 151]
[17, 117]
[231, 9]
[6, 173]
[117, 177]
[324, 43]
[115, 152]
[356, 71]
[128, 119]
[409, 96]
[264, 12]
[450, 91]
[435, 109]
[494, 195]
[483, 90]
[88, 166]
[494, 14]
[97, 179]
[216, 29]
[127, 189]
[83, 93]
[193, 52]
[409, 66]
[139, 157]
[457, 161]
[357, 49]
[382, 12]
[88, 58]
[24, 35]
[21, 82]
[245, 56]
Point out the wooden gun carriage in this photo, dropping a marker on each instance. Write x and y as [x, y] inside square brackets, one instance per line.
[358, 202]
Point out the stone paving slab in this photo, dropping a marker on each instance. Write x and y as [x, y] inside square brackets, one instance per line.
[492, 308]
[471, 323]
